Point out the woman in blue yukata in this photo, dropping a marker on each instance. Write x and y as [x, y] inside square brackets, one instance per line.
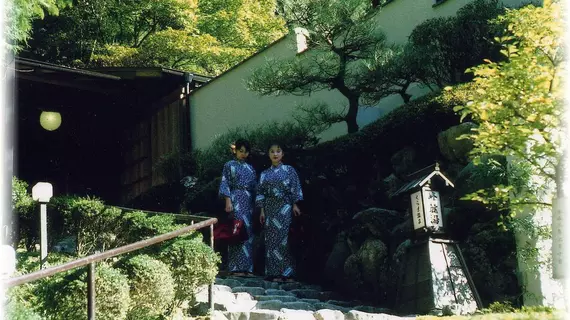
[278, 192]
[237, 188]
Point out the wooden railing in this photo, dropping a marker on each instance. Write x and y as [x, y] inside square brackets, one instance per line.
[94, 258]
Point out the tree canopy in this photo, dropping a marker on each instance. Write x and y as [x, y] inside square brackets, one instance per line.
[202, 36]
[341, 37]
[517, 104]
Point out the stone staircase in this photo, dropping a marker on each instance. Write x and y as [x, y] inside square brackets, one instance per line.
[253, 298]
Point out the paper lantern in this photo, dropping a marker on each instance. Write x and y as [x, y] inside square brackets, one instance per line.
[50, 120]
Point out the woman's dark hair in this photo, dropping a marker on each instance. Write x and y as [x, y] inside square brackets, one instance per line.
[242, 143]
[274, 143]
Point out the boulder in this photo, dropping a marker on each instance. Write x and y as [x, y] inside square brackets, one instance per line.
[452, 149]
[403, 161]
[378, 221]
[372, 254]
[334, 267]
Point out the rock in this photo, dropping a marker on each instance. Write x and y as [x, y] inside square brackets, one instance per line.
[270, 305]
[352, 272]
[254, 283]
[359, 315]
[348, 304]
[378, 221]
[243, 296]
[403, 161]
[228, 282]
[291, 286]
[293, 314]
[287, 298]
[298, 305]
[372, 257]
[334, 267]
[391, 184]
[222, 294]
[326, 314]
[278, 292]
[254, 291]
[219, 315]
[452, 149]
[306, 293]
[264, 315]
[328, 306]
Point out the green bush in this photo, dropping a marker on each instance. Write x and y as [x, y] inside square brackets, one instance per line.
[60, 219]
[193, 264]
[24, 225]
[139, 225]
[65, 296]
[15, 310]
[95, 225]
[152, 287]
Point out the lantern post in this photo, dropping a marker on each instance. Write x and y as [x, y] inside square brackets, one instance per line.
[434, 278]
[42, 192]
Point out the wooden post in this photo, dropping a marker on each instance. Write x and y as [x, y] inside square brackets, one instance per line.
[211, 285]
[91, 291]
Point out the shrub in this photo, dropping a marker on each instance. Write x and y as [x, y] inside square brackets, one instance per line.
[193, 264]
[95, 225]
[23, 224]
[65, 296]
[139, 225]
[15, 310]
[60, 220]
[152, 287]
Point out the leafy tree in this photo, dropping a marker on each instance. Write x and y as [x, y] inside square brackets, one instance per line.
[342, 38]
[21, 13]
[183, 34]
[450, 45]
[517, 104]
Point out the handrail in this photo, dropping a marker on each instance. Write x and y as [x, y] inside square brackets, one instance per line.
[10, 282]
[92, 259]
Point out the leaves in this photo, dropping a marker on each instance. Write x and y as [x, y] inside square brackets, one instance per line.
[206, 37]
[517, 104]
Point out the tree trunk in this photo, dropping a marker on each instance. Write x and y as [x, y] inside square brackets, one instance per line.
[350, 117]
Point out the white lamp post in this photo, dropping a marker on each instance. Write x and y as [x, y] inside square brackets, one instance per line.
[42, 192]
[50, 120]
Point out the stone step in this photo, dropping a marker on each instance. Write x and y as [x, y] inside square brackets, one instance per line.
[292, 314]
[278, 292]
[254, 291]
[287, 298]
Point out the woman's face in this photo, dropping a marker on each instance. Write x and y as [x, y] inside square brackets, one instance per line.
[275, 155]
[242, 153]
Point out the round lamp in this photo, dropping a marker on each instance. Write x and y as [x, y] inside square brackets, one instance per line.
[50, 120]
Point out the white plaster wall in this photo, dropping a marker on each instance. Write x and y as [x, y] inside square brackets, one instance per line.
[225, 102]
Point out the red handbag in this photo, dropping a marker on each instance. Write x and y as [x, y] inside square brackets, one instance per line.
[232, 232]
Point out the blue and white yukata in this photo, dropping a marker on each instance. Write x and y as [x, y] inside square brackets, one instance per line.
[279, 188]
[239, 183]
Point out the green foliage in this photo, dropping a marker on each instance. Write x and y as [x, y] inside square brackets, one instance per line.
[193, 264]
[152, 287]
[449, 45]
[23, 209]
[293, 136]
[21, 13]
[139, 226]
[15, 310]
[94, 225]
[341, 37]
[198, 36]
[517, 105]
[507, 307]
[65, 296]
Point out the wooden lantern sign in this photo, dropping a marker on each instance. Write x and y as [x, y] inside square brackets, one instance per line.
[425, 201]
